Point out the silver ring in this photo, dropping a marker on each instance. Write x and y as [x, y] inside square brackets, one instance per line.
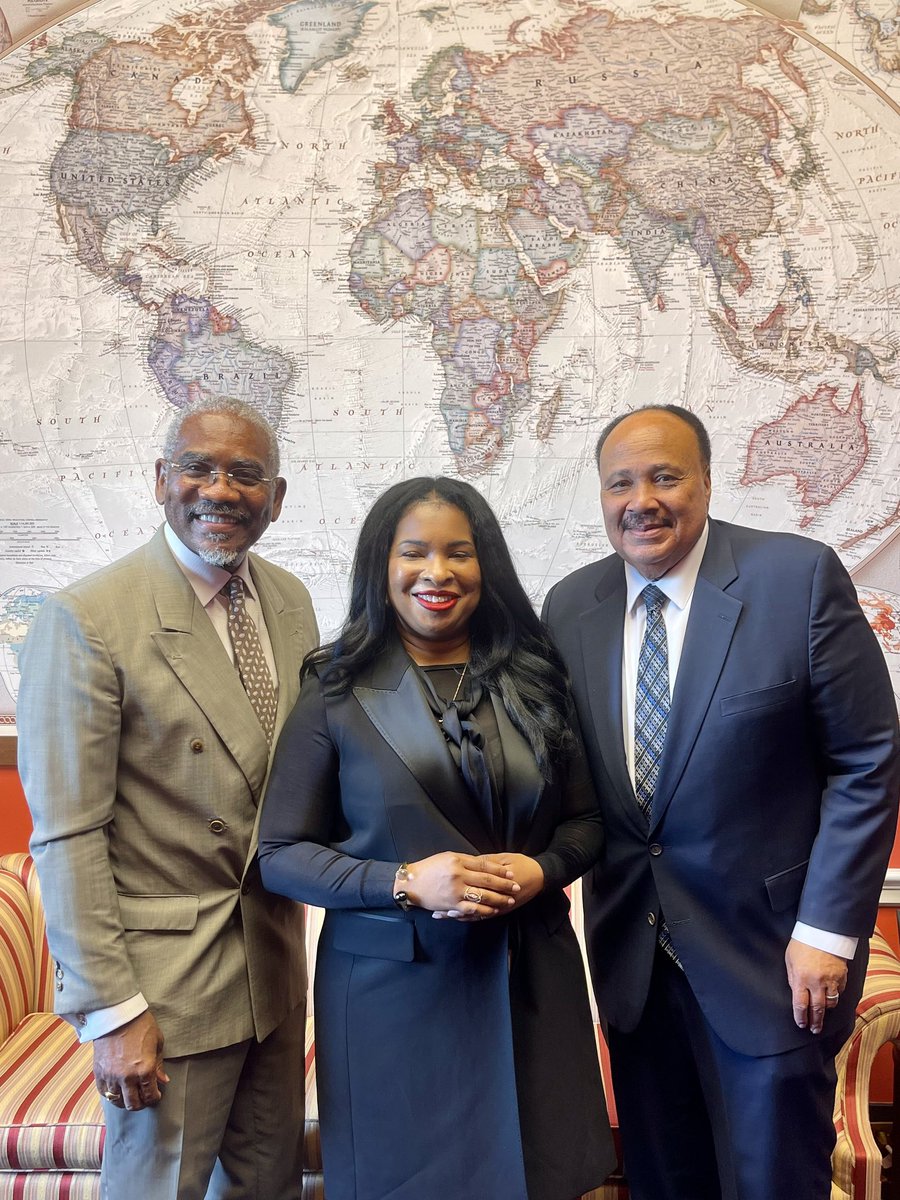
[113, 1096]
[473, 895]
[836, 996]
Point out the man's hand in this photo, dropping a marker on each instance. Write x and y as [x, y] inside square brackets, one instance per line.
[527, 873]
[816, 979]
[128, 1064]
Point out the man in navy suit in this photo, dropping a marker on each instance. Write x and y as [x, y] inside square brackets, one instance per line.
[742, 735]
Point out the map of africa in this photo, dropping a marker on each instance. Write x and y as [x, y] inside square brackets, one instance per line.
[449, 237]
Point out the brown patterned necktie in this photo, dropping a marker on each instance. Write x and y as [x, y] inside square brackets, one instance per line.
[249, 658]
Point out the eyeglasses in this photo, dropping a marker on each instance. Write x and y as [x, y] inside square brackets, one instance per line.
[201, 474]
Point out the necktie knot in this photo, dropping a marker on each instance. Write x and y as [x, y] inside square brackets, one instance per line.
[653, 599]
[233, 590]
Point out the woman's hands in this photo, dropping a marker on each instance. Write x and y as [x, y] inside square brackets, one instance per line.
[472, 888]
[461, 885]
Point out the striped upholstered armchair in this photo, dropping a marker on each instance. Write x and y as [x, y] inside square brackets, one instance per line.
[856, 1162]
[51, 1125]
[51, 1122]
[51, 1119]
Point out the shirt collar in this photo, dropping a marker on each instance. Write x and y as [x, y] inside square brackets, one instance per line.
[206, 580]
[677, 584]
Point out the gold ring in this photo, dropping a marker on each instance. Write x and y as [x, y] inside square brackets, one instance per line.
[113, 1096]
[473, 895]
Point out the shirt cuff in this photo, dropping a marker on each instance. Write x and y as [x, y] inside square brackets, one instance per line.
[104, 1020]
[821, 939]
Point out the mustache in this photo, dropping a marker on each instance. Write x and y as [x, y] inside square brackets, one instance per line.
[636, 521]
[209, 509]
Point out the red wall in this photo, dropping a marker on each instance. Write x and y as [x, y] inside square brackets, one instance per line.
[15, 826]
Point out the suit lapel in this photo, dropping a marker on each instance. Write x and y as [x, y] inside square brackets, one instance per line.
[392, 698]
[193, 650]
[601, 643]
[710, 628]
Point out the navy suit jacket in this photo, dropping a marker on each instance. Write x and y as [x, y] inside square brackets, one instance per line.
[777, 793]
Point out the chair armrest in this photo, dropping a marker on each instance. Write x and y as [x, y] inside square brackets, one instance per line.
[857, 1159]
[17, 958]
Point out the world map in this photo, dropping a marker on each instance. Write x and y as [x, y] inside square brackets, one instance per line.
[449, 237]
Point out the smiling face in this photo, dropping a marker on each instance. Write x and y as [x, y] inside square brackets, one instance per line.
[654, 490]
[434, 581]
[217, 520]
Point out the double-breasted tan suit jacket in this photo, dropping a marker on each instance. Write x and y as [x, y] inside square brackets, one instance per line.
[143, 763]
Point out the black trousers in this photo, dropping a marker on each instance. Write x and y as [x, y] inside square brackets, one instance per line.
[701, 1122]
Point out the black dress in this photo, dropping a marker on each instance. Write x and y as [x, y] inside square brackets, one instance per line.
[455, 1061]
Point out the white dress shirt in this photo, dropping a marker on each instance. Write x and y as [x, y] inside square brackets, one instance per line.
[677, 585]
[207, 582]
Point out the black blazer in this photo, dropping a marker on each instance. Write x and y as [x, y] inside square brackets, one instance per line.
[421, 1022]
[777, 793]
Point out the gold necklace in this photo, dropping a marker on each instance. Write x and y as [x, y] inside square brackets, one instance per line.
[462, 676]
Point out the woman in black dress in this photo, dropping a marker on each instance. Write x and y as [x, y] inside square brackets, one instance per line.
[429, 792]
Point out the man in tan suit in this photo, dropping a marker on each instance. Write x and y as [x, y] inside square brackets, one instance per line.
[148, 705]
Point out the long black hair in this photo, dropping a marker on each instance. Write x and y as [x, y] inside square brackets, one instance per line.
[510, 651]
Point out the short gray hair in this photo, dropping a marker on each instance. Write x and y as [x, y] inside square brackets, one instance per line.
[674, 410]
[231, 407]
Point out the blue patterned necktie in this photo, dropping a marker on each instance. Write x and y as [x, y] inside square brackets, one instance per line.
[651, 714]
[651, 707]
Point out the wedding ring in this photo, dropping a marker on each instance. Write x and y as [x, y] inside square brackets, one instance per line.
[113, 1096]
[836, 996]
[472, 894]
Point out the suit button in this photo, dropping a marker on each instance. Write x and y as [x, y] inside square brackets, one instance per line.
[59, 986]
[59, 972]
[656, 849]
[197, 745]
[81, 1018]
[217, 826]
[651, 918]
[245, 889]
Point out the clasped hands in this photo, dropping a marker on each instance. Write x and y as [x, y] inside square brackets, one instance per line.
[467, 887]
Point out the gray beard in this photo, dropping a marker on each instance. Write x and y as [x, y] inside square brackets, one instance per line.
[220, 558]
